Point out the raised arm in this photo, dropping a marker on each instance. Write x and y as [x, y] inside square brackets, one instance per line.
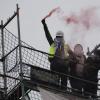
[47, 33]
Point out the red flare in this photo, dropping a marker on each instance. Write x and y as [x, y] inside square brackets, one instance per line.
[51, 12]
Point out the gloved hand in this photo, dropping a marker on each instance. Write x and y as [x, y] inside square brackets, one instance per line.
[43, 20]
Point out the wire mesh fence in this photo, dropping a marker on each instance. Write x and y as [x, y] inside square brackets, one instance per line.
[36, 58]
[1, 82]
[11, 54]
[35, 95]
[10, 41]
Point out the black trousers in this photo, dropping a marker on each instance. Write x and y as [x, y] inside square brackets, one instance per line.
[61, 66]
[91, 89]
[91, 75]
[76, 84]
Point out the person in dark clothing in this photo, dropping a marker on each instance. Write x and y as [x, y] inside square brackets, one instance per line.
[58, 54]
[91, 74]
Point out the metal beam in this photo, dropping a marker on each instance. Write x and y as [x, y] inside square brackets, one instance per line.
[4, 67]
[20, 55]
[10, 19]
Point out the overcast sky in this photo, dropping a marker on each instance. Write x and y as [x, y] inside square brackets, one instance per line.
[32, 12]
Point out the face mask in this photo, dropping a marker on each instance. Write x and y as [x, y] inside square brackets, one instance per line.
[59, 38]
[58, 41]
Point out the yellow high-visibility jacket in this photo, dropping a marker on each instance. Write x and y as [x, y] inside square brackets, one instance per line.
[52, 51]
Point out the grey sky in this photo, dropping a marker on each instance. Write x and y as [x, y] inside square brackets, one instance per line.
[31, 13]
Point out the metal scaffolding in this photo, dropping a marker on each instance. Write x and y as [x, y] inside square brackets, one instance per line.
[19, 63]
[12, 54]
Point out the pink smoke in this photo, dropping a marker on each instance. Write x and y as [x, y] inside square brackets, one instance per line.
[87, 18]
[71, 19]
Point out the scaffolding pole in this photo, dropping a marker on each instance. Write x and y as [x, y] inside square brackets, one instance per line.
[20, 55]
[4, 67]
